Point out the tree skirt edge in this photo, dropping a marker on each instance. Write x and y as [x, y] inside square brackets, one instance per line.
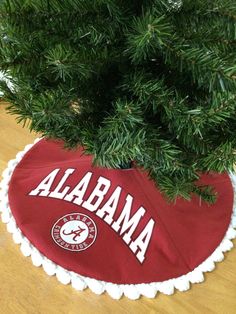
[79, 282]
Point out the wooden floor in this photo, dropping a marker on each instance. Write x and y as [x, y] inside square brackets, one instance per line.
[28, 290]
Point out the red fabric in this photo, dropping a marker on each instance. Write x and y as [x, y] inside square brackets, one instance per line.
[184, 235]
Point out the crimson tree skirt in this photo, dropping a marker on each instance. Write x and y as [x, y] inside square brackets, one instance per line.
[112, 230]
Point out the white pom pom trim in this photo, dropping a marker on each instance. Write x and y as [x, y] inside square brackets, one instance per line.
[79, 282]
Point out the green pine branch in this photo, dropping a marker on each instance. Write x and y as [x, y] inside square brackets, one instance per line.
[145, 81]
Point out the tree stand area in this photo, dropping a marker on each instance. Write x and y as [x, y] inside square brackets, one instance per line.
[112, 230]
[130, 189]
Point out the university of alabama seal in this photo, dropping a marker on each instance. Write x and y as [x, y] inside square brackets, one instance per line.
[74, 232]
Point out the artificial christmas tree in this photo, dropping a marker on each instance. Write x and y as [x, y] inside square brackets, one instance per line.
[138, 101]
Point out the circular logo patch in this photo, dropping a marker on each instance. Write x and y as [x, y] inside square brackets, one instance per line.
[74, 232]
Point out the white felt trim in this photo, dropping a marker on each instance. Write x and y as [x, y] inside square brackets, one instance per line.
[132, 291]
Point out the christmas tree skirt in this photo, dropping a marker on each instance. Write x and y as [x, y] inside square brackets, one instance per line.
[112, 230]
